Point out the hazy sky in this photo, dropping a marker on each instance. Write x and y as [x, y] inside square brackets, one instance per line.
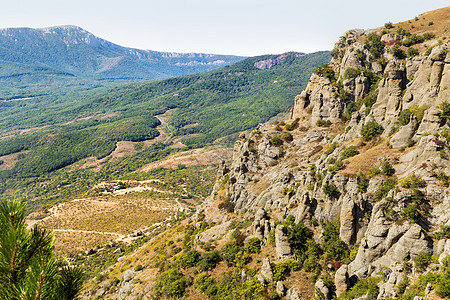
[242, 27]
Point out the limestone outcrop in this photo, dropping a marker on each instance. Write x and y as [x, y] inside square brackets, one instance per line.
[309, 180]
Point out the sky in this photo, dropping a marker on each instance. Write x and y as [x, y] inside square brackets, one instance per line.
[238, 27]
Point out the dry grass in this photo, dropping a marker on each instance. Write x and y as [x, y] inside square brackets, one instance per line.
[121, 214]
[196, 157]
[439, 17]
[79, 241]
[369, 158]
[435, 21]
[84, 223]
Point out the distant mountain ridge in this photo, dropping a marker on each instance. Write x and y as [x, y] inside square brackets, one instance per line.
[74, 51]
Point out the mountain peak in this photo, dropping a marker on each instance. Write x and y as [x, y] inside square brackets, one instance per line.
[72, 49]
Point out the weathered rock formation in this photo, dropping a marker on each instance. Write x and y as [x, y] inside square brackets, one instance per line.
[289, 179]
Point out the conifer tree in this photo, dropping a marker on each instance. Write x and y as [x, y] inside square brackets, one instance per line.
[29, 267]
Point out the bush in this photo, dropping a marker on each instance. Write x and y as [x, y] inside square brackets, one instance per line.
[403, 117]
[331, 149]
[444, 178]
[363, 183]
[349, 152]
[227, 204]
[374, 44]
[418, 112]
[209, 260]
[335, 248]
[361, 56]
[281, 269]
[253, 245]
[412, 52]
[339, 165]
[138, 268]
[373, 172]
[351, 73]
[397, 52]
[403, 32]
[412, 40]
[412, 181]
[388, 25]
[443, 287]
[386, 168]
[171, 283]
[271, 238]
[382, 192]
[287, 136]
[326, 71]
[369, 100]
[230, 250]
[445, 110]
[330, 190]
[428, 35]
[206, 284]
[444, 233]
[410, 143]
[229, 286]
[370, 130]
[311, 256]
[298, 235]
[276, 141]
[365, 286]
[293, 125]
[411, 212]
[188, 259]
[324, 123]
[422, 261]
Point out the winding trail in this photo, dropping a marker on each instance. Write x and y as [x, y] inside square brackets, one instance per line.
[120, 236]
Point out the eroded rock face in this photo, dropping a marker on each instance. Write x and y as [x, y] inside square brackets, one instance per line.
[341, 280]
[282, 246]
[262, 225]
[271, 182]
[386, 243]
[319, 96]
[266, 271]
[404, 134]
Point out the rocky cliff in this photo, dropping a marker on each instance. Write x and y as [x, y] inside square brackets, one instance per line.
[348, 198]
[367, 145]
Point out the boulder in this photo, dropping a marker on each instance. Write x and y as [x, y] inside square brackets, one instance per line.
[293, 294]
[244, 276]
[128, 275]
[118, 250]
[322, 291]
[280, 289]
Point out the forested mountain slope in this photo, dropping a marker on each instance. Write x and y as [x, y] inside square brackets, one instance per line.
[202, 109]
[69, 55]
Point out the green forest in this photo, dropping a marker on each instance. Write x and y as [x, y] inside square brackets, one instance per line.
[207, 108]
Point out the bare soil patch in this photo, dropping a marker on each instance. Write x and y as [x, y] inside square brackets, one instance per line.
[9, 161]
